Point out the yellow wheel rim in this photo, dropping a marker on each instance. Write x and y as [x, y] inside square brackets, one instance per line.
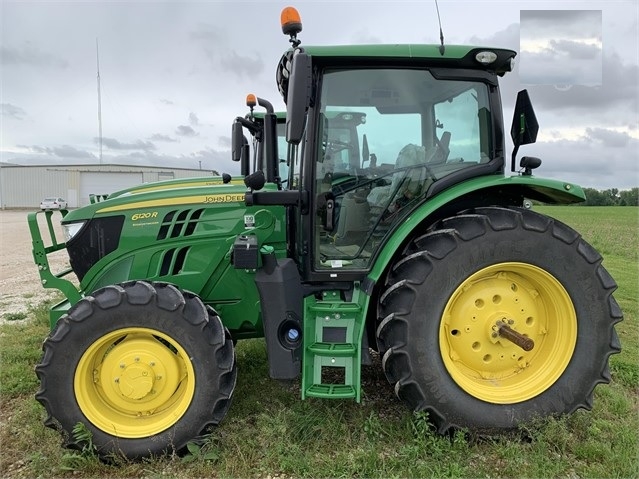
[134, 382]
[490, 367]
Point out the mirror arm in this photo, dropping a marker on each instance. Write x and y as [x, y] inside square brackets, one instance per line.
[248, 124]
[514, 158]
[282, 198]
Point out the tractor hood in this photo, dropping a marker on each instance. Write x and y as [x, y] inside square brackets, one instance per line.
[160, 233]
[178, 183]
[195, 191]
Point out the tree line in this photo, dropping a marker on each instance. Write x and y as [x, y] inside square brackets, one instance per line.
[611, 197]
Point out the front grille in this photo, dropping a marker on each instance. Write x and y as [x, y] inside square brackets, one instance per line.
[98, 238]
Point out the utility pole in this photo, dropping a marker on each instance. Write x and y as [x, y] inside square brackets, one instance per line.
[97, 57]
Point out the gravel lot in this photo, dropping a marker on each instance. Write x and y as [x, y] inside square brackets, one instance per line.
[19, 278]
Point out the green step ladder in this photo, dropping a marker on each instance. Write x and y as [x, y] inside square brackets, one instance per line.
[332, 342]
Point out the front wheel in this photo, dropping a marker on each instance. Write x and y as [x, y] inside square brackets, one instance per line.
[496, 316]
[144, 366]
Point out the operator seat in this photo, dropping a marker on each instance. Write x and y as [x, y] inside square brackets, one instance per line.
[352, 219]
[406, 182]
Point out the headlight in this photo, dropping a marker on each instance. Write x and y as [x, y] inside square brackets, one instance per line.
[71, 229]
[486, 58]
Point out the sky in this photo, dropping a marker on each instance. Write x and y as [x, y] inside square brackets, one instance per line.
[560, 47]
[174, 75]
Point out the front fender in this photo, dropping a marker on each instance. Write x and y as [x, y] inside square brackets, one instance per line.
[502, 188]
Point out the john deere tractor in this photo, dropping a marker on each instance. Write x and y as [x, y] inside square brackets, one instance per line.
[395, 228]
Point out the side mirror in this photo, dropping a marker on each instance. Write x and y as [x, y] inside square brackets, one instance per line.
[240, 149]
[525, 127]
[298, 97]
[237, 141]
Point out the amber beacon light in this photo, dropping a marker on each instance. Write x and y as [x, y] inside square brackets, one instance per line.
[291, 21]
[251, 100]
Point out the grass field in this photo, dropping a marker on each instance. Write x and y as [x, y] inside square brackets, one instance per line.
[270, 432]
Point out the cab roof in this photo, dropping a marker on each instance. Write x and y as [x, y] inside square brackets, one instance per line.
[455, 56]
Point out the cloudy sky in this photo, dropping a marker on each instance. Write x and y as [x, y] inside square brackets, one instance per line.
[560, 47]
[175, 74]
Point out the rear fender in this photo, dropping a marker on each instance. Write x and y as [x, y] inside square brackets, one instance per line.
[499, 189]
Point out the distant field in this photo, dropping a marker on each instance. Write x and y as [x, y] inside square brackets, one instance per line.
[614, 232]
[270, 432]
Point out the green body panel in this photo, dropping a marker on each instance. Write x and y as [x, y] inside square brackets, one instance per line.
[551, 191]
[206, 269]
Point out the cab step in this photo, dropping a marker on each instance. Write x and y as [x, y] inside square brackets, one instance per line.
[332, 339]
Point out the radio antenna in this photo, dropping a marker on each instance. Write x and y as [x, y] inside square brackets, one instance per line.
[97, 58]
[441, 32]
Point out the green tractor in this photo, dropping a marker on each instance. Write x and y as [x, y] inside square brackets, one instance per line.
[394, 228]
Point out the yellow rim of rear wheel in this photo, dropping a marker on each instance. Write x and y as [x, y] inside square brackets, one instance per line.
[490, 367]
[134, 382]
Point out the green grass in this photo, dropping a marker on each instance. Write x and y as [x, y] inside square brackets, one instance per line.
[269, 431]
[14, 316]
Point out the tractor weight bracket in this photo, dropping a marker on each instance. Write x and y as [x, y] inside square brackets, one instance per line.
[506, 332]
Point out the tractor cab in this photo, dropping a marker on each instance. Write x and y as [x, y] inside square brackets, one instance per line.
[375, 132]
[423, 129]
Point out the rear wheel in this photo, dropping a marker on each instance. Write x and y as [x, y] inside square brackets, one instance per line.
[497, 316]
[144, 366]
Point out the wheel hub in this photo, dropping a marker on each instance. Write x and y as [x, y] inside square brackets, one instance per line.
[142, 374]
[506, 332]
[474, 322]
[136, 381]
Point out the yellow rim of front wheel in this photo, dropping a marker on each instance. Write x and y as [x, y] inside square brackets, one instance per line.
[475, 351]
[134, 382]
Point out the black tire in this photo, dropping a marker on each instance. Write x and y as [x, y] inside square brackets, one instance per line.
[446, 298]
[144, 366]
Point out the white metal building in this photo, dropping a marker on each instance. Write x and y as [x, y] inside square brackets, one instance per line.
[25, 186]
